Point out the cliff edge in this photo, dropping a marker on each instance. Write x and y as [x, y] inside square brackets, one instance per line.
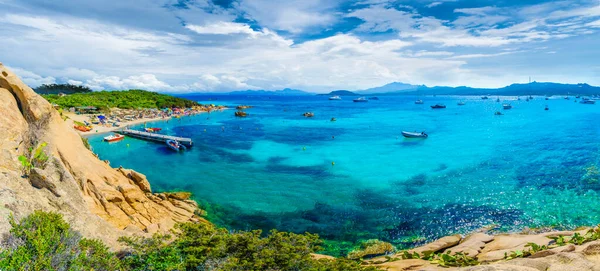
[99, 201]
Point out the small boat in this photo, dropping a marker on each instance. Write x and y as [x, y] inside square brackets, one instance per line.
[361, 100]
[498, 113]
[497, 100]
[567, 98]
[461, 103]
[113, 138]
[577, 97]
[419, 102]
[309, 114]
[506, 106]
[414, 134]
[546, 108]
[549, 99]
[438, 106]
[333, 119]
[587, 101]
[530, 97]
[82, 128]
[333, 98]
[174, 145]
[484, 98]
[241, 114]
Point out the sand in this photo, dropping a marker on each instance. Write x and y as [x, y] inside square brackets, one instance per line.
[99, 129]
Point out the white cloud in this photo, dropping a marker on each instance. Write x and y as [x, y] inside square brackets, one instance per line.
[75, 82]
[222, 28]
[434, 4]
[32, 79]
[291, 15]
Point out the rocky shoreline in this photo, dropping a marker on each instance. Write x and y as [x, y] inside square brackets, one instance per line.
[99, 201]
[479, 251]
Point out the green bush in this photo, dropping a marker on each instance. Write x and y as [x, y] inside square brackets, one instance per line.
[204, 247]
[44, 241]
[130, 99]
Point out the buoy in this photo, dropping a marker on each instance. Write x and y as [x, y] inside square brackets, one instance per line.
[332, 136]
[127, 145]
[205, 130]
[303, 148]
[333, 163]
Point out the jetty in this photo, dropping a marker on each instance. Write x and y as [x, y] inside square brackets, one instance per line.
[156, 137]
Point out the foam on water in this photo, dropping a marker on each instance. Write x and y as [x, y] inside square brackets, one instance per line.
[274, 168]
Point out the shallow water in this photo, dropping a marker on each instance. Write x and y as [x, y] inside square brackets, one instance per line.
[274, 169]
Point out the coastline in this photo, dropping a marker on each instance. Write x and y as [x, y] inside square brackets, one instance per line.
[100, 129]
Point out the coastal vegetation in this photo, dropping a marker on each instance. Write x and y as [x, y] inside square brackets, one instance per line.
[129, 99]
[61, 88]
[44, 241]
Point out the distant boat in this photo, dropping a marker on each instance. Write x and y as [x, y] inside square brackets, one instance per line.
[113, 138]
[484, 98]
[567, 98]
[587, 101]
[174, 145]
[419, 102]
[497, 100]
[373, 98]
[518, 98]
[577, 97]
[361, 100]
[438, 106]
[530, 97]
[548, 99]
[506, 106]
[309, 114]
[498, 113]
[335, 98]
[546, 108]
[333, 119]
[414, 134]
[461, 103]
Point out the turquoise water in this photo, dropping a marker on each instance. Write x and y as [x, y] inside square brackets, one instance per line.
[273, 169]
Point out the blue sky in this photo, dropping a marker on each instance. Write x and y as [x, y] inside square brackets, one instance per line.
[314, 45]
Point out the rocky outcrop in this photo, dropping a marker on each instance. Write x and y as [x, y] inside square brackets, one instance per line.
[99, 201]
[491, 252]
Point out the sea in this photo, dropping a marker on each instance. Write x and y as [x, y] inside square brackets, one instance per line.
[357, 178]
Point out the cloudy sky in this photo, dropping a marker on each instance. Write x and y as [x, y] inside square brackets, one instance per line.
[314, 45]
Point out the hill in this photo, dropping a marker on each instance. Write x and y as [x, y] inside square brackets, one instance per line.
[340, 93]
[130, 99]
[391, 87]
[534, 88]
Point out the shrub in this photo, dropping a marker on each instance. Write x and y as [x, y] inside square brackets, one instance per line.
[44, 241]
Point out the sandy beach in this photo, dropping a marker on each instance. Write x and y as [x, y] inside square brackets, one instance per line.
[100, 129]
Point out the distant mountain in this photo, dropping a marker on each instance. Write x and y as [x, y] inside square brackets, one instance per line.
[282, 92]
[340, 93]
[391, 87]
[534, 88]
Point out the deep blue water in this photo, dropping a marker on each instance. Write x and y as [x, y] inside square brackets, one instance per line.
[358, 178]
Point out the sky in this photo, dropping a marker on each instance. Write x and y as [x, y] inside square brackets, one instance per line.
[185, 46]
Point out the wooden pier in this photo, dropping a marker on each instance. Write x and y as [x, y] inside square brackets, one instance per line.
[155, 137]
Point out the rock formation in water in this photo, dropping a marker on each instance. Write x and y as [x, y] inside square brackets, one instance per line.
[99, 201]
